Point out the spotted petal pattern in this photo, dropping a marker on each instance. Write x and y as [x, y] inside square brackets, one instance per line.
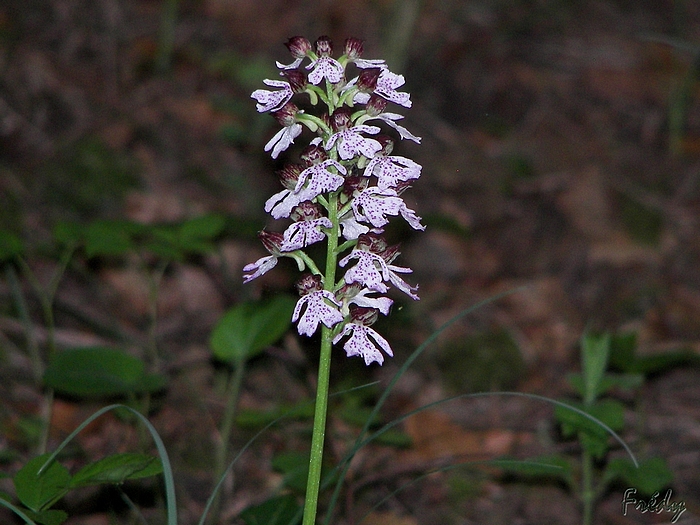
[321, 307]
[364, 342]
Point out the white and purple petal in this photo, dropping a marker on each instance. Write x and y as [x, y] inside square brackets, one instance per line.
[373, 204]
[282, 139]
[304, 233]
[259, 267]
[325, 67]
[364, 342]
[272, 100]
[383, 304]
[321, 180]
[390, 119]
[386, 88]
[318, 310]
[365, 270]
[392, 169]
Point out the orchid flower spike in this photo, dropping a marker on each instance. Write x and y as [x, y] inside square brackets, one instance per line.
[344, 190]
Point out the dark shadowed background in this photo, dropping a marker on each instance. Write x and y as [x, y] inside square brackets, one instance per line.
[561, 151]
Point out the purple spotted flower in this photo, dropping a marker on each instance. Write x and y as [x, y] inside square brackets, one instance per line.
[306, 229]
[315, 306]
[286, 116]
[374, 204]
[325, 66]
[345, 189]
[275, 100]
[363, 340]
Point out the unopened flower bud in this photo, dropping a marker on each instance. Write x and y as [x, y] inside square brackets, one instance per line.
[386, 142]
[313, 154]
[363, 316]
[289, 175]
[306, 211]
[348, 291]
[286, 115]
[272, 241]
[298, 46]
[367, 80]
[375, 105]
[354, 183]
[353, 48]
[309, 283]
[324, 46]
[340, 119]
[371, 242]
[297, 80]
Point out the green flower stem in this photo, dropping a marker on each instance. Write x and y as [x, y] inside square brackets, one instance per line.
[587, 491]
[233, 391]
[313, 483]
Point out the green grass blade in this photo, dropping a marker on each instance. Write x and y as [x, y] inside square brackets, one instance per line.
[17, 510]
[171, 505]
[382, 399]
[446, 469]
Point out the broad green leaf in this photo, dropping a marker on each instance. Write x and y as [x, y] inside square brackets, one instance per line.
[201, 228]
[295, 468]
[10, 245]
[48, 517]
[623, 357]
[654, 364]
[608, 382]
[109, 238]
[275, 511]
[536, 468]
[623, 348]
[593, 436]
[117, 469]
[68, 233]
[595, 350]
[39, 491]
[248, 418]
[162, 241]
[652, 475]
[248, 328]
[99, 372]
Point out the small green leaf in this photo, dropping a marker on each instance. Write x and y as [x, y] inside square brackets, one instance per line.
[109, 238]
[623, 348]
[593, 436]
[248, 418]
[595, 351]
[248, 328]
[10, 246]
[68, 233]
[652, 475]
[39, 491]
[95, 372]
[117, 469]
[48, 517]
[295, 468]
[275, 511]
[541, 467]
[206, 227]
[608, 382]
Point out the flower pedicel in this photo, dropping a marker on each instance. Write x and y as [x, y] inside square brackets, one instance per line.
[345, 190]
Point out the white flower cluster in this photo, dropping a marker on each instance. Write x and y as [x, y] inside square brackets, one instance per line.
[345, 189]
